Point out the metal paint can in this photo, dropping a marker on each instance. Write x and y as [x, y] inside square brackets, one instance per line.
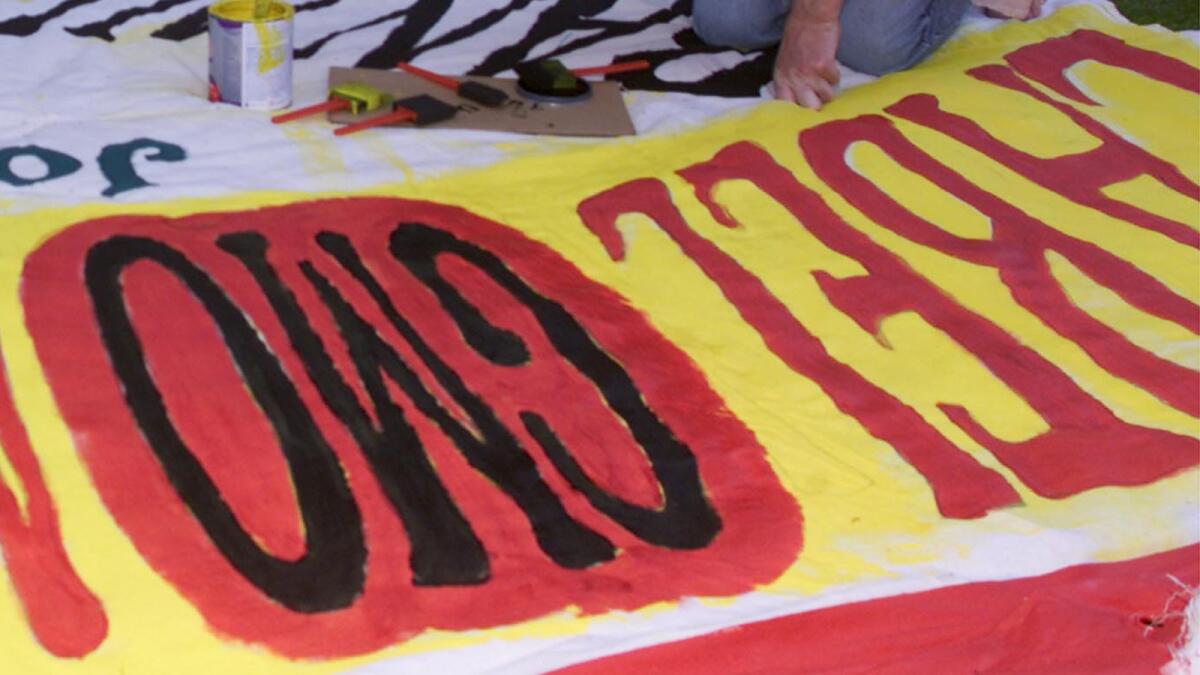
[250, 59]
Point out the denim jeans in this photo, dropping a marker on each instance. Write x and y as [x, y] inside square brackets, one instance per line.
[877, 36]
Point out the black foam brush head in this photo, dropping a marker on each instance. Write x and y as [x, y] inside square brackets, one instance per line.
[550, 78]
[428, 109]
[482, 94]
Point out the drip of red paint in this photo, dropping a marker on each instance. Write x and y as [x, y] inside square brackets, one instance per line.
[65, 615]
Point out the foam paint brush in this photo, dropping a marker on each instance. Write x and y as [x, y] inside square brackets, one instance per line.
[550, 81]
[612, 68]
[420, 110]
[476, 92]
[353, 96]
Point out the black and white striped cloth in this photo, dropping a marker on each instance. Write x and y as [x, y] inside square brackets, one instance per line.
[472, 36]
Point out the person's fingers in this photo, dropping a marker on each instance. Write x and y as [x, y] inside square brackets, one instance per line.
[831, 73]
[784, 91]
[809, 91]
[811, 87]
[1011, 9]
[826, 70]
[805, 69]
[809, 99]
[823, 89]
[806, 90]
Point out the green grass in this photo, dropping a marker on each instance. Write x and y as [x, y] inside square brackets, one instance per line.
[1174, 14]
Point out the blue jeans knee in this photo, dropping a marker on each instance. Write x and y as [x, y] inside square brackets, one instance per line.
[884, 36]
[741, 24]
[877, 36]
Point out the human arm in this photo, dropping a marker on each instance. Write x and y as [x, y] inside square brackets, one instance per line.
[806, 69]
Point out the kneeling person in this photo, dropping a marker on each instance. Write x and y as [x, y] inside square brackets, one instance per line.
[870, 36]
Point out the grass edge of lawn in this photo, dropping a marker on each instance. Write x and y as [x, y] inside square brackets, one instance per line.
[1173, 14]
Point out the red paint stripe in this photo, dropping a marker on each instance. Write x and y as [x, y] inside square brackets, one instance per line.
[65, 616]
[1103, 618]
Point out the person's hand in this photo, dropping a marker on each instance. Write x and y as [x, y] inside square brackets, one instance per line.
[806, 70]
[1012, 9]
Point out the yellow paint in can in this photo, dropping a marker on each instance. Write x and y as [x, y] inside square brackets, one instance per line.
[251, 68]
[252, 11]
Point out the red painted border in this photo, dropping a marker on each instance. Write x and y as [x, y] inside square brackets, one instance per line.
[761, 527]
[1101, 618]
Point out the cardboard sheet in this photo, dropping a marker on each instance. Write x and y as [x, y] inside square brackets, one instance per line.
[602, 114]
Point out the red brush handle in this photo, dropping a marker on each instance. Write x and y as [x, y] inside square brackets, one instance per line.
[447, 82]
[400, 115]
[331, 105]
[612, 68]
